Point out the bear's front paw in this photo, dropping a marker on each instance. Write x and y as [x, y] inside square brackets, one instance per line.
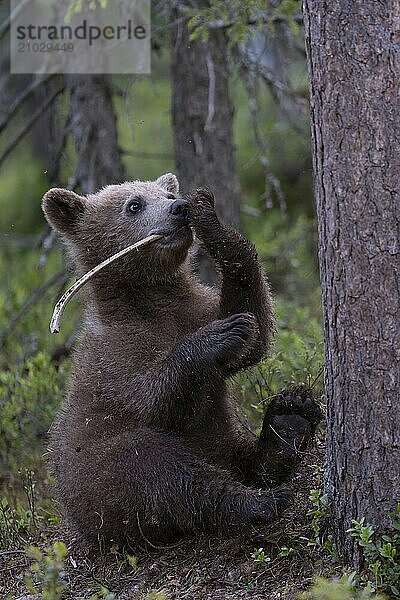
[227, 340]
[201, 210]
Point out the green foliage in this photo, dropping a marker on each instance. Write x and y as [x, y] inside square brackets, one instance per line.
[29, 396]
[77, 6]
[344, 589]
[47, 571]
[320, 522]
[382, 554]
[22, 518]
[103, 592]
[239, 17]
[153, 595]
[16, 522]
[285, 551]
[296, 358]
[20, 194]
[20, 275]
[287, 249]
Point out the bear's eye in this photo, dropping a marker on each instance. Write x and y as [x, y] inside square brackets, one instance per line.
[171, 196]
[134, 206]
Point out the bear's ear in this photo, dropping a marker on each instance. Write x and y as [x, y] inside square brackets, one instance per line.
[169, 183]
[63, 208]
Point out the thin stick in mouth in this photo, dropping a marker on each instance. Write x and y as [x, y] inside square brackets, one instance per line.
[65, 298]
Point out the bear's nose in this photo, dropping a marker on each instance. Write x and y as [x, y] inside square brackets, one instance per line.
[179, 209]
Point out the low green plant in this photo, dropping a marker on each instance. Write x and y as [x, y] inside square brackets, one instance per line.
[103, 593]
[296, 358]
[259, 556]
[153, 595]
[382, 554]
[285, 551]
[47, 571]
[343, 589]
[19, 519]
[30, 393]
[16, 522]
[320, 522]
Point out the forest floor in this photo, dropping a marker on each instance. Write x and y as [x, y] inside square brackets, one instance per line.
[269, 563]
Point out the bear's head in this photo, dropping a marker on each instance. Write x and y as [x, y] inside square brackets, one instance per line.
[97, 226]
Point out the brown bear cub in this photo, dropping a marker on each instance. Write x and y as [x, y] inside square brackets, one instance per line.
[146, 446]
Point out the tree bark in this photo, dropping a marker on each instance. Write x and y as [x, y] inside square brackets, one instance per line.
[353, 72]
[202, 117]
[94, 131]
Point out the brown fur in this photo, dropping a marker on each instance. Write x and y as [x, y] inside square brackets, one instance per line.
[146, 445]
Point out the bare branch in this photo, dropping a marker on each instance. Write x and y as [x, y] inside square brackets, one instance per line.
[281, 91]
[211, 91]
[21, 98]
[48, 243]
[271, 182]
[155, 155]
[5, 26]
[38, 113]
[60, 276]
[53, 170]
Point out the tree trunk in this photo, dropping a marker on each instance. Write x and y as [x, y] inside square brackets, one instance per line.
[354, 109]
[202, 117]
[94, 131]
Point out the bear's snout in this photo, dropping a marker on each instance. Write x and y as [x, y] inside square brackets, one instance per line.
[179, 209]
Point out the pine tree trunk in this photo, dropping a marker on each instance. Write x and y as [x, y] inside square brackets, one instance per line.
[355, 135]
[94, 131]
[202, 116]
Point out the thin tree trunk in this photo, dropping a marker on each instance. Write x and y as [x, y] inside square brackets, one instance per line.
[94, 131]
[202, 117]
[355, 135]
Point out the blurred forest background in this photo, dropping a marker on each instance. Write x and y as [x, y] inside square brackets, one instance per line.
[47, 139]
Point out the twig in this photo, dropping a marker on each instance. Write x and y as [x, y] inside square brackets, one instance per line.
[22, 97]
[65, 298]
[53, 170]
[155, 155]
[47, 245]
[35, 297]
[270, 180]
[318, 375]
[246, 209]
[211, 91]
[30, 123]
[280, 90]
[5, 26]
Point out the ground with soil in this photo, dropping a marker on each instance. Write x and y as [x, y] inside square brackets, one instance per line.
[203, 568]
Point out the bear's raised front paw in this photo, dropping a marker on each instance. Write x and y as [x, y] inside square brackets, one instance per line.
[201, 209]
